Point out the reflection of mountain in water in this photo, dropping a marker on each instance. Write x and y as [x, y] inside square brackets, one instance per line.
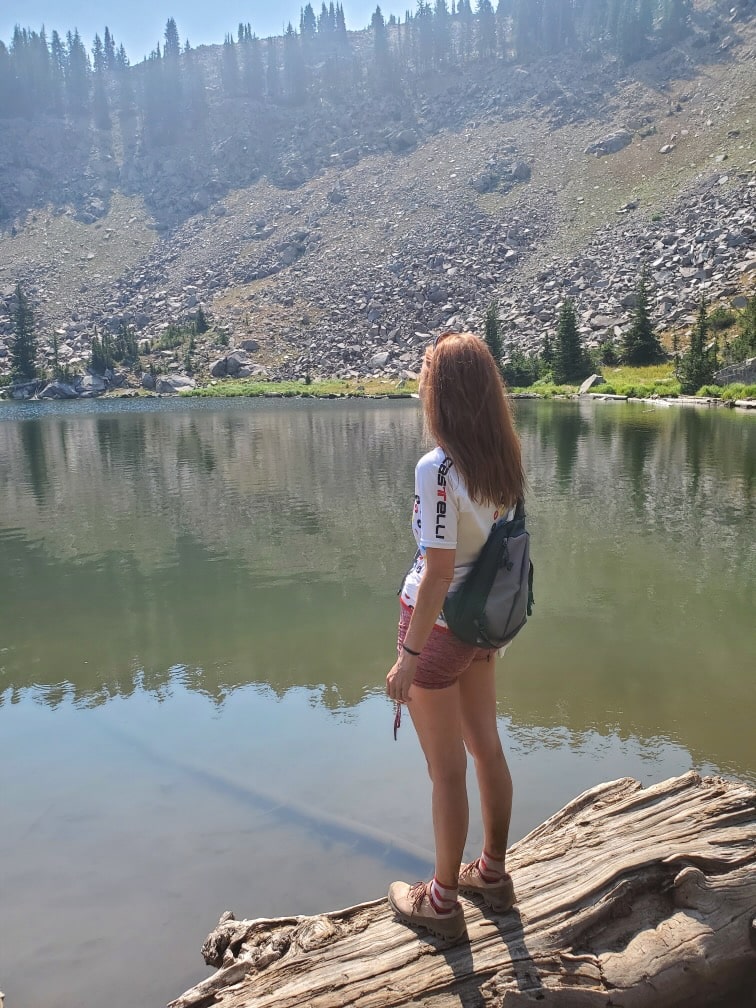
[230, 544]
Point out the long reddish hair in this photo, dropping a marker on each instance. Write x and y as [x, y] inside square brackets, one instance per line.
[467, 413]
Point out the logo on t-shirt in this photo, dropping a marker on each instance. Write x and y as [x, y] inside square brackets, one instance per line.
[443, 469]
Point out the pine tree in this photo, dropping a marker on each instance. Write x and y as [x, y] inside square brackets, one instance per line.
[640, 344]
[569, 358]
[380, 46]
[99, 95]
[441, 33]
[200, 322]
[24, 340]
[486, 29]
[492, 335]
[77, 75]
[294, 68]
[697, 366]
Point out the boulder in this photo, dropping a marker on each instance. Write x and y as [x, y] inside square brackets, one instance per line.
[148, 381]
[91, 385]
[404, 140]
[250, 345]
[219, 369]
[380, 360]
[59, 390]
[236, 360]
[610, 144]
[595, 379]
[521, 171]
[174, 383]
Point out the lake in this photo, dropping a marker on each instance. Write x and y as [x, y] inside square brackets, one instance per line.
[197, 613]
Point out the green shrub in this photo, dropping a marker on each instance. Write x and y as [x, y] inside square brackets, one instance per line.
[721, 318]
[738, 391]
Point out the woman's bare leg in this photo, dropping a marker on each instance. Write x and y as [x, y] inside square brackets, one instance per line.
[477, 688]
[437, 718]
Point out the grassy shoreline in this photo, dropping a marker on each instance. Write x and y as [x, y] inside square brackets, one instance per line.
[652, 382]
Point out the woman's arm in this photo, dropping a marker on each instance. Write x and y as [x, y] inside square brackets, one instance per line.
[434, 585]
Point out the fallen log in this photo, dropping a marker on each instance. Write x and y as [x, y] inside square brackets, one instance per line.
[628, 896]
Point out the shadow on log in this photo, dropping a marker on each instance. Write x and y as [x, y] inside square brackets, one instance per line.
[628, 896]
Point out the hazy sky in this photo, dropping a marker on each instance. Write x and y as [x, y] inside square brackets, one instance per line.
[139, 24]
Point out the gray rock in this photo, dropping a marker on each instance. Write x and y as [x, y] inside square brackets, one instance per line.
[219, 369]
[58, 390]
[380, 360]
[24, 390]
[235, 361]
[174, 383]
[91, 384]
[744, 372]
[148, 381]
[403, 140]
[485, 183]
[610, 144]
[521, 171]
[595, 379]
[250, 345]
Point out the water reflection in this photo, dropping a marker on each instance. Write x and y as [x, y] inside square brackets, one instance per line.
[263, 542]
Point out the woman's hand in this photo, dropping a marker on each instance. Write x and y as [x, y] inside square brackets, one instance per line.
[399, 679]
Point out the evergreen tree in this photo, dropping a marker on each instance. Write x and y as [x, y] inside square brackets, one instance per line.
[424, 32]
[57, 73]
[547, 353]
[124, 87]
[486, 29]
[308, 24]
[697, 366]
[640, 343]
[272, 73]
[229, 67]
[526, 22]
[492, 335]
[99, 95]
[441, 33]
[744, 345]
[294, 68]
[109, 50]
[675, 21]
[77, 75]
[569, 358]
[253, 71]
[466, 30]
[200, 322]
[24, 341]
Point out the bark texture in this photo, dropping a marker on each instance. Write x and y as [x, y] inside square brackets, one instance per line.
[628, 896]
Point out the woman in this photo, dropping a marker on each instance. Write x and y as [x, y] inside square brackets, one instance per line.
[472, 477]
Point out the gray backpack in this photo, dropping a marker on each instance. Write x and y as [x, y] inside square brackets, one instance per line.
[493, 603]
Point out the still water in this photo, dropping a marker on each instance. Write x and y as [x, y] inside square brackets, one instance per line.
[197, 613]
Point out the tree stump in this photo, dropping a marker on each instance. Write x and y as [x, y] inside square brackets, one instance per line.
[628, 896]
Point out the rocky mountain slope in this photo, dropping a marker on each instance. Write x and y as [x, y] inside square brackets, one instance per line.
[370, 225]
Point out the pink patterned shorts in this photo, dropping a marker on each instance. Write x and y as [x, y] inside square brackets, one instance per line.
[444, 657]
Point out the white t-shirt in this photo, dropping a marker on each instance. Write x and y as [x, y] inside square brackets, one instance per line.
[445, 517]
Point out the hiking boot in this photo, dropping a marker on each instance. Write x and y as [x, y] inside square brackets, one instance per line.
[412, 905]
[499, 895]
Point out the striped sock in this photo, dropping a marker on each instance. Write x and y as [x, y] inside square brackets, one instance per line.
[490, 869]
[442, 899]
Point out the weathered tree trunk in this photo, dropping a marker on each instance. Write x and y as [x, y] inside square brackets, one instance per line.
[627, 897]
